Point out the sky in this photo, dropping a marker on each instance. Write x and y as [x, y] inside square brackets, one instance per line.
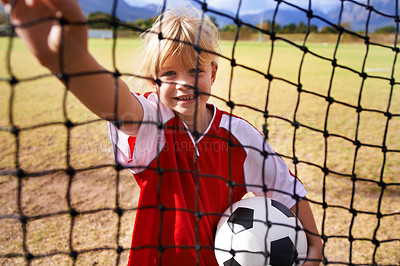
[248, 6]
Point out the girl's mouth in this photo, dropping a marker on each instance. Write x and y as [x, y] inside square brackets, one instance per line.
[185, 98]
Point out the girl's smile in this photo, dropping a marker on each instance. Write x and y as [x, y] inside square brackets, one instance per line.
[177, 91]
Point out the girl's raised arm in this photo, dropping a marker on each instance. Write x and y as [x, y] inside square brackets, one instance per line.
[38, 24]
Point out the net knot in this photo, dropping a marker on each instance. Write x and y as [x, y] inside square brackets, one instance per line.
[238, 22]
[13, 80]
[353, 211]
[73, 255]
[357, 143]
[366, 41]
[21, 173]
[157, 82]
[295, 124]
[114, 22]
[198, 48]
[269, 77]
[265, 154]
[116, 74]
[388, 115]
[299, 88]
[118, 167]
[330, 100]
[339, 28]
[326, 134]
[119, 211]
[70, 171]
[304, 49]
[359, 109]
[23, 219]
[64, 77]
[73, 213]
[233, 62]
[310, 14]
[369, 7]
[376, 242]
[363, 75]
[204, 6]
[231, 143]
[29, 256]
[230, 104]
[15, 130]
[63, 21]
[159, 171]
[392, 82]
[196, 134]
[325, 170]
[199, 214]
[119, 249]
[384, 149]
[161, 248]
[69, 124]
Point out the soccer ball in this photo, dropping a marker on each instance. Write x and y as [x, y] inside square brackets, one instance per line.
[259, 231]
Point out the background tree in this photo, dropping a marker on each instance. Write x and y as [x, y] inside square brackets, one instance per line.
[386, 29]
[100, 20]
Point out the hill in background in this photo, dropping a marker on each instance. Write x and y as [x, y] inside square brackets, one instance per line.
[353, 14]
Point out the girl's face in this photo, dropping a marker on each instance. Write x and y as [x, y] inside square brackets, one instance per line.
[177, 87]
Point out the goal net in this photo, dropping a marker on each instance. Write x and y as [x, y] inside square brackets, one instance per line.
[327, 102]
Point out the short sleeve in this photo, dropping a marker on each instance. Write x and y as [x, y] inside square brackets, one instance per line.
[263, 167]
[282, 185]
[137, 152]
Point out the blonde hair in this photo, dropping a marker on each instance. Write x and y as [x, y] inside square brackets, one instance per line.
[181, 34]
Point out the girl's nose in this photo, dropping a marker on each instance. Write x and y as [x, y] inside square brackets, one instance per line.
[185, 83]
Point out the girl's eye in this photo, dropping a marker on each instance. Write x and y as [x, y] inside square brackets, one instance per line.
[196, 70]
[169, 73]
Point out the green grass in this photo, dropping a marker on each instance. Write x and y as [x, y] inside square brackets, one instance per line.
[39, 102]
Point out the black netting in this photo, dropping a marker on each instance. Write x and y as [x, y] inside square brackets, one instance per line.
[364, 169]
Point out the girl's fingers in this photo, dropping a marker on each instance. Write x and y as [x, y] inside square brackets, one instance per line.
[7, 6]
[70, 9]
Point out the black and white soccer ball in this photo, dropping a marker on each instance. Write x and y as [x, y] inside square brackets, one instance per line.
[260, 231]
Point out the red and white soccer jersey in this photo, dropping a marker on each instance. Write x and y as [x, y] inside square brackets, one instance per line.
[186, 184]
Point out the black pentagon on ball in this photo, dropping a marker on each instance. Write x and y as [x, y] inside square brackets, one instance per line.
[283, 252]
[282, 208]
[231, 262]
[241, 216]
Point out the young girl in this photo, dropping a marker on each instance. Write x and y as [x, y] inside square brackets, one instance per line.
[190, 159]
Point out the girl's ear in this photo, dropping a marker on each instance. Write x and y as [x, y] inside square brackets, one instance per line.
[153, 84]
[214, 69]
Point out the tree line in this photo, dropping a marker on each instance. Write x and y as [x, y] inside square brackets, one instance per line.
[96, 19]
[301, 27]
[101, 20]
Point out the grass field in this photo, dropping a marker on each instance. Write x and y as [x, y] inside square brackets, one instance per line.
[39, 101]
